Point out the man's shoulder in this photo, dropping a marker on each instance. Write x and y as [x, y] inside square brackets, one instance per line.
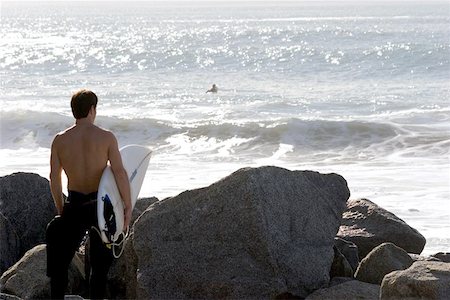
[103, 131]
[61, 135]
[104, 134]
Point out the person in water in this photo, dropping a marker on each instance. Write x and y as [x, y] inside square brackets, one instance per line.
[213, 89]
[83, 152]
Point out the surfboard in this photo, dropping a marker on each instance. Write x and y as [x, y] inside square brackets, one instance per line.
[110, 214]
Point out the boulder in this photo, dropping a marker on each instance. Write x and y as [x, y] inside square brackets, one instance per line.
[423, 280]
[141, 205]
[8, 297]
[340, 266]
[257, 233]
[122, 279]
[368, 225]
[382, 260]
[417, 257]
[339, 280]
[27, 278]
[26, 207]
[352, 289]
[9, 244]
[442, 256]
[349, 250]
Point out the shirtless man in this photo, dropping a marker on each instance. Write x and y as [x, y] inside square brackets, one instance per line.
[83, 152]
[213, 89]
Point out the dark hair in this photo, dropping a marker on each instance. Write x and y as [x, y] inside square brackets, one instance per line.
[81, 103]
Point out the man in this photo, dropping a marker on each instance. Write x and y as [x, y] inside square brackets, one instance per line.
[213, 89]
[83, 152]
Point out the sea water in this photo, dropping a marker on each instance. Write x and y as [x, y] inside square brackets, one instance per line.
[356, 88]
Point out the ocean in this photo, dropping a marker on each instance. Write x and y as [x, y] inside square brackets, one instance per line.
[361, 89]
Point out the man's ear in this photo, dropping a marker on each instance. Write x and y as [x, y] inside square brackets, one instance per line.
[93, 111]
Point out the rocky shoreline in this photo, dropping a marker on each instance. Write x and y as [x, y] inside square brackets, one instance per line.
[259, 233]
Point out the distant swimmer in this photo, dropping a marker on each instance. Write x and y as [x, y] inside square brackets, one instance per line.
[213, 89]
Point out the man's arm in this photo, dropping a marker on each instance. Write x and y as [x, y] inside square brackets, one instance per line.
[121, 177]
[55, 177]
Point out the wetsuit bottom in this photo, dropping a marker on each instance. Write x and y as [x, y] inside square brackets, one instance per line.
[64, 236]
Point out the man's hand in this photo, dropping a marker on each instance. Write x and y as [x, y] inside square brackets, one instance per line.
[127, 218]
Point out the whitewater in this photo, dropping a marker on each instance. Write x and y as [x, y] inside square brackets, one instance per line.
[358, 89]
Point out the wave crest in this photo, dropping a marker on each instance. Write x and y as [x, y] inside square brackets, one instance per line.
[27, 129]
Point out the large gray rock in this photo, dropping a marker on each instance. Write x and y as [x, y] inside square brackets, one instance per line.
[27, 278]
[9, 244]
[141, 205]
[382, 260]
[368, 225]
[257, 233]
[352, 289]
[340, 266]
[122, 276]
[339, 280]
[8, 297]
[442, 256]
[349, 250]
[423, 280]
[26, 207]
[417, 257]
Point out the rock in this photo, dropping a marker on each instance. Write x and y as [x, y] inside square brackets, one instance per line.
[9, 244]
[423, 280]
[27, 278]
[141, 205]
[417, 257]
[26, 206]
[442, 256]
[349, 250]
[368, 225]
[8, 297]
[257, 233]
[382, 260]
[122, 279]
[339, 280]
[352, 289]
[340, 266]
[287, 296]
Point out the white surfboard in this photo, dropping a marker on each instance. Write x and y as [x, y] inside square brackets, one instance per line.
[110, 206]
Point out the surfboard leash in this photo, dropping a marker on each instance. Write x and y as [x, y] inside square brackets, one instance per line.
[113, 245]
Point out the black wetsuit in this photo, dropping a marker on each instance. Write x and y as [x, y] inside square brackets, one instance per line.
[64, 236]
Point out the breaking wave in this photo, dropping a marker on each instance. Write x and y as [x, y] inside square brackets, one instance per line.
[30, 129]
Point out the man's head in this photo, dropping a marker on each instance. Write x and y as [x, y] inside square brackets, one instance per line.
[82, 102]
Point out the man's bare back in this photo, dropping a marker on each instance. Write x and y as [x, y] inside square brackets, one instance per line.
[83, 154]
